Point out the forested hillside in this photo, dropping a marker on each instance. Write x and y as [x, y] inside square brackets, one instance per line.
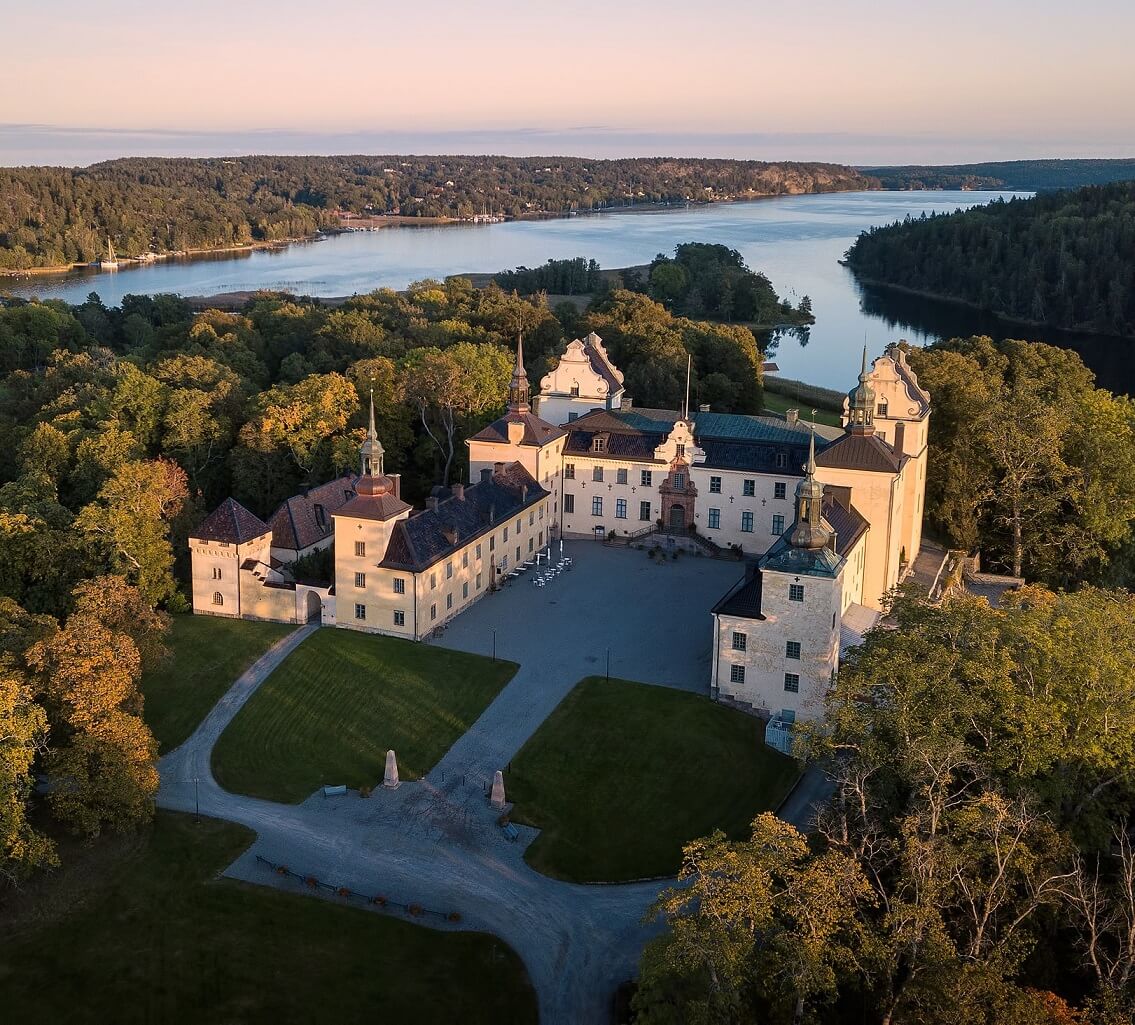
[1064, 259]
[1028, 175]
[54, 216]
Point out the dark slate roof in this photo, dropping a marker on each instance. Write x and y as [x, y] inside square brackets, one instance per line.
[757, 456]
[432, 534]
[231, 522]
[848, 524]
[860, 452]
[744, 599]
[295, 524]
[815, 562]
[537, 432]
[602, 368]
[616, 445]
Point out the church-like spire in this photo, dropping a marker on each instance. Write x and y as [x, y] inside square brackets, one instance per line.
[518, 386]
[371, 450]
[808, 530]
[861, 403]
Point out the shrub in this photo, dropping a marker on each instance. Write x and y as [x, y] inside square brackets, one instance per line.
[311, 882]
[343, 891]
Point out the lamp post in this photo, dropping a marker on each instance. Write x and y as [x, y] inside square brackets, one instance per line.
[494, 645]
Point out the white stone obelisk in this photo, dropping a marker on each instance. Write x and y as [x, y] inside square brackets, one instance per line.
[390, 779]
[497, 799]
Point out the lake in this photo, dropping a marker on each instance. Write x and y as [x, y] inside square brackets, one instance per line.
[796, 241]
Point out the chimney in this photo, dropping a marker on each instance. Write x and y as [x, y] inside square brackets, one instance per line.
[458, 492]
[498, 468]
[625, 403]
[486, 475]
[431, 503]
[396, 481]
[703, 408]
[900, 437]
[792, 415]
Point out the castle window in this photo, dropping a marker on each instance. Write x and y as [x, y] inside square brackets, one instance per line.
[478, 581]
[791, 649]
[519, 525]
[679, 479]
[493, 543]
[569, 471]
[477, 553]
[792, 683]
[360, 549]
[597, 445]
[518, 553]
[532, 517]
[795, 592]
[505, 537]
[360, 580]
[597, 473]
[574, 391]
[715, 485]
[531, 544]
[781, 460]
[681, 451]
[621, 475]
[433, 611]
[448, 601]
[644, 511]
[465, 559]
[569, 503]
[739, 641]
[746, 522]
[647, 478]
[881, 409]
[749, 488]
[449, 571]
[597, 506]
[399, 585]
[778, 525]
[465, 589]
[780, 489]
[620, 508]
[218, 598]
[433, 581]
[736, 674]
[399, 617]
[714, 519]
[360, 612]
[216, 572]
[540, 539]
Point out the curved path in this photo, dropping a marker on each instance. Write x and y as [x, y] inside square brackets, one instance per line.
[436, 842]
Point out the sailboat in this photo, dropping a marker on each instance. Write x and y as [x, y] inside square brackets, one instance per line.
[110, 261]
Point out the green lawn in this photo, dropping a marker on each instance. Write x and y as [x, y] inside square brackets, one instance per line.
[329, 714]
[623, 774]
[776, 403]
[207, 654]
[143, 933]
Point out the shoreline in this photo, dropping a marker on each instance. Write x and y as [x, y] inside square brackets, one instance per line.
[381, 222]
[1002, 318]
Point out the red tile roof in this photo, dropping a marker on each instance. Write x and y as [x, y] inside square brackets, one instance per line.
[232, 523]
[297, 523]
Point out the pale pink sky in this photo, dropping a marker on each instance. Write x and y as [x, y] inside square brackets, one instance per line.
[1001, 72]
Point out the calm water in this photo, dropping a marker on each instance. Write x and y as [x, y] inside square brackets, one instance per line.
[797, 241]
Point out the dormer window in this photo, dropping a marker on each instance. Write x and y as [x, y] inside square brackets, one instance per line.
[781, 460]
[598, 445]
[320, 515]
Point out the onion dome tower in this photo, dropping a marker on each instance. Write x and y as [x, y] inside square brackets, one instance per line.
[518, 391]
[808, 530]
[372, 481]
[861, 403]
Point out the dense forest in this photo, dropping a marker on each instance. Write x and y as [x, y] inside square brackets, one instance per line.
[52, 216]
[1026, 175]
[1065, 259]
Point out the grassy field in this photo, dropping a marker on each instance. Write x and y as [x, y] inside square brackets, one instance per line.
[207, 655]
[623, 774]
[137, 932]
[775, 403]
[329, 714]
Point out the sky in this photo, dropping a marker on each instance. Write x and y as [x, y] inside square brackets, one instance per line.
[875, 82]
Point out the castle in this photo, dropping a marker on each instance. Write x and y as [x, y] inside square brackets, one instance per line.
[826, 520]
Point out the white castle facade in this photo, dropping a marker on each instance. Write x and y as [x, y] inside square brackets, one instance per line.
[827, 521]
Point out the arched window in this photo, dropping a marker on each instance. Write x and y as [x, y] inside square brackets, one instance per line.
[218, 598]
